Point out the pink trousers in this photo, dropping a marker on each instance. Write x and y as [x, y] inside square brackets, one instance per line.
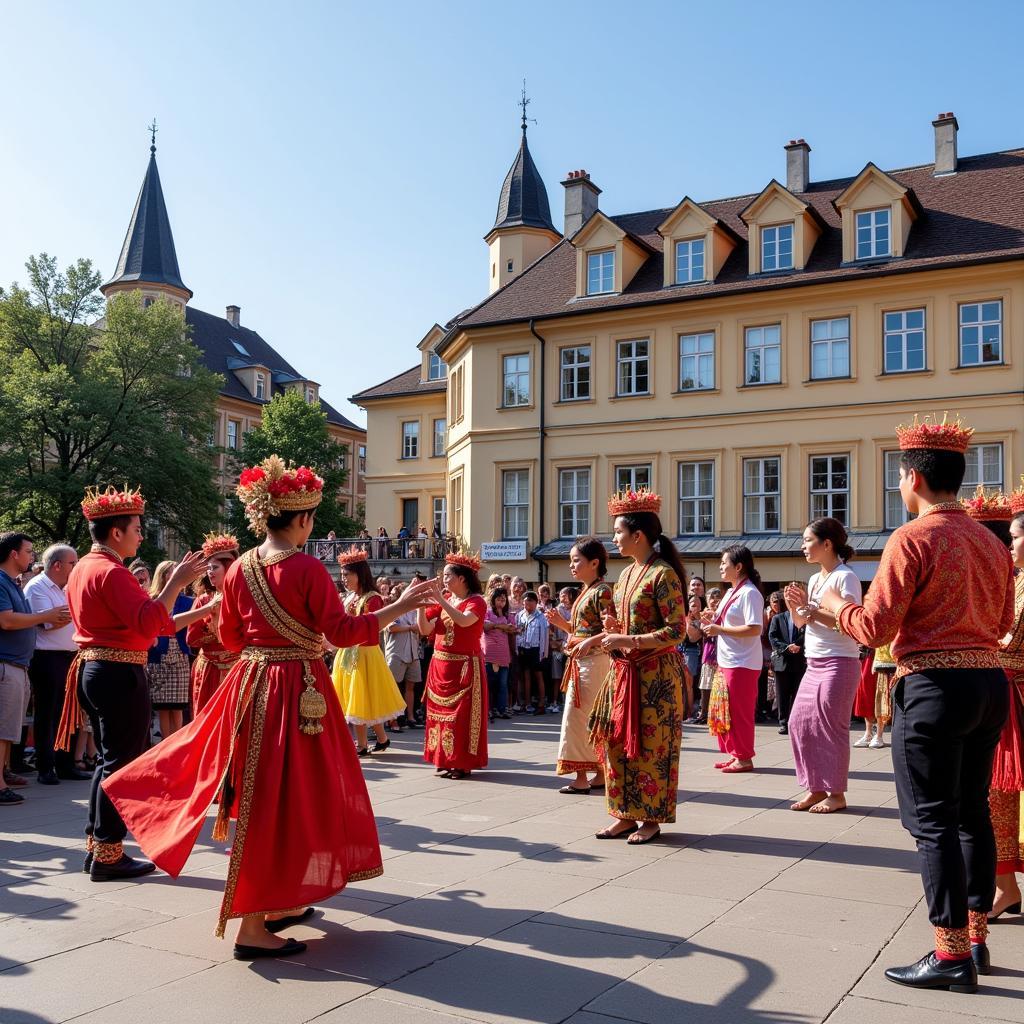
[742, 686]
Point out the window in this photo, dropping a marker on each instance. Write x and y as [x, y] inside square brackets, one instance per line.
[517, 381]
[411, 514]
[985, 467]
[696, 497]
[261, 386]
[830, 348]
[508, 266]
[904, 341]
[362, 458]
[574, 502]
[439, 438]
[515, 504]
[241, 349]
[777, 248]
[456, 520]
[690, 261]
[873, 234]
[896, 513]
[761, 495]
[830, 487]
[633, 367]
[696, 362]
[436, 368]
[233, 426]
[981, 333]
[456, 394]
[343, 457]
[632, 478]
[410, 439]
[763, 354]
[575, 373]
[311, 396]
[439, 514]
[600, 272]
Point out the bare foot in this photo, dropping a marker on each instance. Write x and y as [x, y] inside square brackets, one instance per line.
[832, 803]
[1005, 896]
[808, 801]
[280, 915]
[617, 827]
[252, 933]
[647, 831]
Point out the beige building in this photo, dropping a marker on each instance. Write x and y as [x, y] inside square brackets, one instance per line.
[748, 358]
[252, 369]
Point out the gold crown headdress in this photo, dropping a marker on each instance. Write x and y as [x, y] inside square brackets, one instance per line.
[273, 487]
[947, 436]
[99, 504]
[622, 503]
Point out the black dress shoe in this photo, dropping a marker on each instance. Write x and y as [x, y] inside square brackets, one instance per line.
[74, 775]
[931, 972]
[48, 778]
[287, 922]
[980, 956]
[126, 867]
[783, 729]
[87, 866]
[290, 948]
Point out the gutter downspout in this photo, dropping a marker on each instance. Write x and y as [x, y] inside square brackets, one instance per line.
[542, 471]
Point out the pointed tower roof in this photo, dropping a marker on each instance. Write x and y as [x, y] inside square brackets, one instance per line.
[524, 199]
[148, 255]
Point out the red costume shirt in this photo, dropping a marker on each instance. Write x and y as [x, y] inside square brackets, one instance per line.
[942, 596]
[110, 609]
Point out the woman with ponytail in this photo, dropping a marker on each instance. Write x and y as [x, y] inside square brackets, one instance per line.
[819, 724]
[637, 720]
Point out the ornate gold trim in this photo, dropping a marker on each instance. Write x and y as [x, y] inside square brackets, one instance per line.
[113, 654]
[447, 702]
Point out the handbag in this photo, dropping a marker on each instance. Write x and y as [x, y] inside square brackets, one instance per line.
[719, 720]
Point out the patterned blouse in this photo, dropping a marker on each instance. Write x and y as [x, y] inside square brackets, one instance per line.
[589, 607]
[1011, 653]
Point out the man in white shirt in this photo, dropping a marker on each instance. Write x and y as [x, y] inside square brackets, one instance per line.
[48, 670]
[532, 648]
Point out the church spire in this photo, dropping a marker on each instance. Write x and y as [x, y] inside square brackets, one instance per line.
[523, 201]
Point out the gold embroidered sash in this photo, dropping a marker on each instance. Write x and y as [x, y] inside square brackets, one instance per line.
[470, 663]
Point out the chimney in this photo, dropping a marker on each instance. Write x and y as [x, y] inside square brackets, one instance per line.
[945, 143]
[234, 315]
[580, 201]
[798, 165]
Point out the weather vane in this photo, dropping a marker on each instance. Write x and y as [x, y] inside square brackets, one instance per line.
[152, 129]
[524, 102]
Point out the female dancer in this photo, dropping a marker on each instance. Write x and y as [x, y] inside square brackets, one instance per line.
[456, 691]
[271, 743]
[637, 720]
[362, 679]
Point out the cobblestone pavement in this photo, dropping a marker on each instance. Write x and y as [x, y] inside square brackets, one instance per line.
[497, 904]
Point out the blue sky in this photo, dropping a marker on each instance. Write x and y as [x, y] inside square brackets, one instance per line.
[333, 167]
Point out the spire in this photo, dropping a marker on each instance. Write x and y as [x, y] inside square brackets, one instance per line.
[147, 255]
[523, 201]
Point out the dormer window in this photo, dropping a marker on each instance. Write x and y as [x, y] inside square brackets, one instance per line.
[690, 261]
[600, 272]
[311, 396]
[261, 386]
[873, 234]
[777, 248]
[436, 367]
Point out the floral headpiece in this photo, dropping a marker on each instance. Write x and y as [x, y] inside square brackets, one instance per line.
[947, 436]
[622, 503]
[466, 559]
[1017, 498]
[988, 507]
[273, 487]
[99, 504]
[353, 555]
[217, 544]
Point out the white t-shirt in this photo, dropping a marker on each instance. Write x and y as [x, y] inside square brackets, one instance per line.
[823, 641]
[746, 608]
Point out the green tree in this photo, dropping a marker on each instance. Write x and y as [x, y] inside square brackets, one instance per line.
[124, 399]
[297, 431]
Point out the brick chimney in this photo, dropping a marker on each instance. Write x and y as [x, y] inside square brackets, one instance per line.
[234, 315]
[798, 165]
[580, 201]
[945, 143]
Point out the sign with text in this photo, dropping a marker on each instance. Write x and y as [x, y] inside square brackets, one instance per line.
[503, 551]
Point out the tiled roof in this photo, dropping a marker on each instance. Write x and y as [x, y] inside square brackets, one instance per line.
[408, 383]
[523, 200]
[975, 215]
[226, 348]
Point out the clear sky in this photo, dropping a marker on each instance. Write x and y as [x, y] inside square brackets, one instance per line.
[332, 167]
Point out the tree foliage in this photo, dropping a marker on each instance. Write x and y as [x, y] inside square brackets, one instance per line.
[297, 431]
[125, 399]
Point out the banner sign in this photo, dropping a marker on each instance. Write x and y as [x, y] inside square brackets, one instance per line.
[503, 551]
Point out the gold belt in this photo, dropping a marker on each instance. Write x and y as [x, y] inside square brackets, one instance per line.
[113, 654]
[269, 654]
[450, 656]
[911, 663]
[219, 661]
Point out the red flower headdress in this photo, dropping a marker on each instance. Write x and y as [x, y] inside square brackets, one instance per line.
[353, 555]
[988, 507]
[622, 503]
[947, 436]
[464, 558]
[1017, 499]
[99, 504]
[273, 487]
[217, 544]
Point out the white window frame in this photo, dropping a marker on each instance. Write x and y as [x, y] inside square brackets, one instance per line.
[517, 378]
[979, 325]
[457, 486]
[439, 513]
[977, 472]
[902, 331]
[773, 248]
[601, 272]
[632, 478]
[410, 439]
[757, 341]
[261, 386]
[571, 387]
[894, 512]
[362, 458]
[310, 396]
[697, 498]
[830, 500]
[833, 334]
[700, 361]
[690, 261]
[440, 437]
[762, 507]
[574, 512]
[629, 359]
[869, 227]
[234, 428]
[437, 369]
[515, 513]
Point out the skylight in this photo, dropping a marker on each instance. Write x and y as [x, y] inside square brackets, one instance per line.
[240, 348]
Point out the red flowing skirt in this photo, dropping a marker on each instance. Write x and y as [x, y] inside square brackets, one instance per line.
[304, 825]
[456, 701]
[864, 702]
[206, 678]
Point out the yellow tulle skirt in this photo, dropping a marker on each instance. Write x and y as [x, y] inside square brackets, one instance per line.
[365, 686]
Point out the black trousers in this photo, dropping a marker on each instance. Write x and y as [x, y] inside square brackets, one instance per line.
[48, 674]
[946, 723]
[786, 686]
[115, 696]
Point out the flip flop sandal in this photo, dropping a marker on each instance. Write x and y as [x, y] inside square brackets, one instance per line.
[574, 790]
[605, 834]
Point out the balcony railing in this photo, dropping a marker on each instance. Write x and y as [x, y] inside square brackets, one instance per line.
[411, 549]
